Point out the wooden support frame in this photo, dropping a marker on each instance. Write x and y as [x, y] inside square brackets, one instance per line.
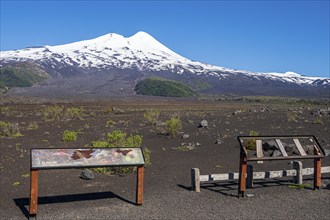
[139, 185]
[317, 170]
[318, 155]
[242, 172]
[33, 192]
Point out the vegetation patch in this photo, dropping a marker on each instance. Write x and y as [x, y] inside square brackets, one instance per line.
[51, 113]
[69, 136]
[151, 116]
[163, 87]
[10, 130]
[173, 126]
[74, 113]
[23, 74]
[119, 138]
[251, 143]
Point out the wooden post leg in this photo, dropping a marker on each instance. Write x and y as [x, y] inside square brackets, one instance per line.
[242, 174]
[33, 192]
[139, 185]
[317, 170]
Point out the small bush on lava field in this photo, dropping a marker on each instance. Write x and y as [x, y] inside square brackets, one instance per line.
[74, 113]
[251, 143]
[318, 120]
[69, 136]
[119, 138]
[292, 117]
[32, 126]
[173, 126]
[51, 113]
[151, 116]
[5, 111]
[10, 130]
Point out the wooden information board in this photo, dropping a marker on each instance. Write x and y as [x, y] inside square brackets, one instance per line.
[71, 158]
[93, 157]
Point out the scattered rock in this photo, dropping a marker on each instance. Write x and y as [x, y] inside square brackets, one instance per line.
[291, 148]
[198, 144]
[276, 153]
[218, 141]
[309, 149]
[203, 124]
[190, 121]
[185, 136]
[327, 152]
[87, 175]
[116, 110]
[160, 124]
[237, 111]
[269, 145]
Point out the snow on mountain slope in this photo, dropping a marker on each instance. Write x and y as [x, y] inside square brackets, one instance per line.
[140, 51]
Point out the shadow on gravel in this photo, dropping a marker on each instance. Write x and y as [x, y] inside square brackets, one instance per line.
[230, 188]
[23, 203]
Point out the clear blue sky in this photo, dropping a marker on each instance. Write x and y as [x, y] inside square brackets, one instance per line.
[263, 36]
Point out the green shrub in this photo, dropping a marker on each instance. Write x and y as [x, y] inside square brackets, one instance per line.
[318, 120]
[291, 117]
[32, 126]
[147, 156]
[10, 130]
[119, 138]
[110, 123]
[69, 136]
[100, 144]
[151, 116]
[51, 113]
[251, 143]
[173, 126]
[5, 111]
[74, 113]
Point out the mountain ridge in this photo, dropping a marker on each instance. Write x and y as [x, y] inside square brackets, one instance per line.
[141, 56]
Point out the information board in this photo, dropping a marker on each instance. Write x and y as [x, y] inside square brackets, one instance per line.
[85, 157]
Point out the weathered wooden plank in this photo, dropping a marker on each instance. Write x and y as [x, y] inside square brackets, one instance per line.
[259, 149]
[261, 175]
[307, 171]
[290, 173]
[325, 169]
[33, 193]
[204, 178]
[300, 148]
[282, 149]
[275, 174]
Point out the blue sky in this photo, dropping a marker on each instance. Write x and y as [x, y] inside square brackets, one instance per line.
[262, 36]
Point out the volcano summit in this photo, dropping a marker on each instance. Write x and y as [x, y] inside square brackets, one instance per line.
[112, 65]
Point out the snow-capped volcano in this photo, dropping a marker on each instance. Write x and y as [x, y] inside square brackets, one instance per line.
[143, 53]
